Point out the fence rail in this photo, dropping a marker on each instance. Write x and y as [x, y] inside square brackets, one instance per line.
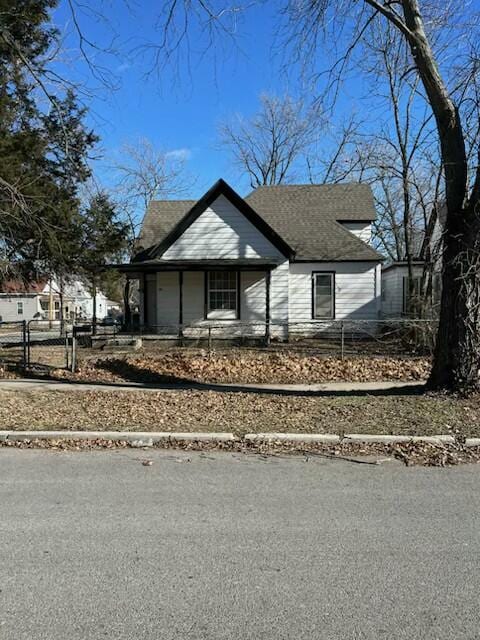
[41, 344]
[329, 336]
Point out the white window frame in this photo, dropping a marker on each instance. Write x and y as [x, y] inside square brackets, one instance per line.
[20, 308]
[315, 275]
[222, 314]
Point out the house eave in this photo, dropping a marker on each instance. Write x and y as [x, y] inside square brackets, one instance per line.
[223, 264]
[313, 259]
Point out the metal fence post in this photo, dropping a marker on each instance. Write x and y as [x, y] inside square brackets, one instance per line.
[25, 350]
[209, 338]
[66, 349]
[74, 351]
[342, 329]
[28, 343]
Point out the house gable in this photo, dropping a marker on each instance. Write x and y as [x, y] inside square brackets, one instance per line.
[221, 231]
[220, 225]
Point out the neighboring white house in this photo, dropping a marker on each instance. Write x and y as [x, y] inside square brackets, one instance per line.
[395, 287]
[40, 300]
[282, 256]
[426, 272]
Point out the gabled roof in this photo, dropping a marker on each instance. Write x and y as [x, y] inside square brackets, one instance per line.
[309, 218]
[160, 218]
[34, 287]
[218, 189]
[303, 221]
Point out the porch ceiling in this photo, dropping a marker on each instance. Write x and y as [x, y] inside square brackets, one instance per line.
[241, 264]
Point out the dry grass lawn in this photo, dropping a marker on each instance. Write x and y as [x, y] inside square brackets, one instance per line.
[191, 410]
[235, 365]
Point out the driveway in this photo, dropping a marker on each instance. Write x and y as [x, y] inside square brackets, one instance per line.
[222, 546]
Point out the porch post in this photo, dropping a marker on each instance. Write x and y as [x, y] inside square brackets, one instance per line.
[145, 300]
[180, 304]
[268, 278]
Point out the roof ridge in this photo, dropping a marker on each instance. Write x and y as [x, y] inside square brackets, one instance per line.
[173, 200]
[310, 184]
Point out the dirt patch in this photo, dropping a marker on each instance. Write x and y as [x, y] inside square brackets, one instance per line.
[247, 367]
[192, 410]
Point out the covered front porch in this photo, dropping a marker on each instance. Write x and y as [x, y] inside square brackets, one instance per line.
[204, 299]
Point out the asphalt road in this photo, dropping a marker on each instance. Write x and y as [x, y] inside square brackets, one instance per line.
[96, 545]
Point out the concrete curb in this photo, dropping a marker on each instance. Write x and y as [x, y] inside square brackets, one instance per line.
[389, 439]
[135, 438]
[148, 438]
[321, 438]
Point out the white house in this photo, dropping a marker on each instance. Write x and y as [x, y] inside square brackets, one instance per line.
[282, 256]
[40, 300]
[426, 272]
[395, 287]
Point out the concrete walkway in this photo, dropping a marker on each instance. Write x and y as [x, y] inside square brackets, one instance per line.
[32, 384]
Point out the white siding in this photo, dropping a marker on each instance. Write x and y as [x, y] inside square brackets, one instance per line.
[167, 299]
[392, 289]
[8, 307]
[362, 230]
[252, 299]
[252, 296]
[221, 231]
[279, 294]
[356, 290]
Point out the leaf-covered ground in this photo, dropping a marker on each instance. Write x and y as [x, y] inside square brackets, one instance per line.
[192, 410]
[246, 366]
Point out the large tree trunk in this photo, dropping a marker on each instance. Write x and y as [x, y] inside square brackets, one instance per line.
[457, 353]
[455, 365]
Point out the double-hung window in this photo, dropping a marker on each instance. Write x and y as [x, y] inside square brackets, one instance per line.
[222, 295]
[323, 297]
[19, 308]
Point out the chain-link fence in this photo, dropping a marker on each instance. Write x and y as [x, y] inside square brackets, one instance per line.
[35, 344]
[330, 337]
[13, 344]
[49, 344]
[46, 345]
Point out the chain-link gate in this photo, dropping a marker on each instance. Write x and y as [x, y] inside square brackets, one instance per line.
[49, 344]
[13, 344]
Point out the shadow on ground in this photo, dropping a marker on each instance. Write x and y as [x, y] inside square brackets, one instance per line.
[135, 377]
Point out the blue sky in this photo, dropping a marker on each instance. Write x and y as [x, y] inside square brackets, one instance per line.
[179, 108]
[177, 112]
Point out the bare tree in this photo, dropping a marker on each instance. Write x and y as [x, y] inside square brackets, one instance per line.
[402, 159]
[441, 40]
[428, 36]
[146, 173]
[270, 146]
[339, 157]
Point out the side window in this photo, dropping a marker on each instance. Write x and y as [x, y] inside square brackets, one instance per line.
[323, 296]
[19, 308]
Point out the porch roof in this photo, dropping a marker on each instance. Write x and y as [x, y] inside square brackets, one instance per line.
[219, 264]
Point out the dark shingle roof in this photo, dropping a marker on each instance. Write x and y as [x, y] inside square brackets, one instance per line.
[305, 216]
[160, 218]
[308, 218]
